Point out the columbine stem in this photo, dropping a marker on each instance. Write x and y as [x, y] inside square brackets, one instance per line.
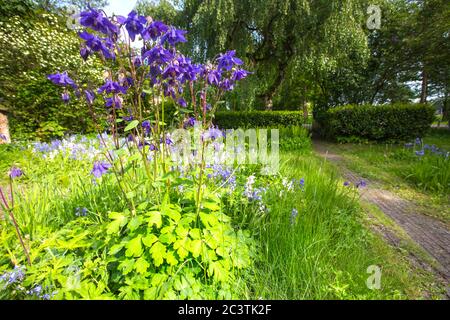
[16, 226]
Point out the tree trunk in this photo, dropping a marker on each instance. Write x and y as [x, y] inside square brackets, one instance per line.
[445, 109]
[305, 103]
[424, 93]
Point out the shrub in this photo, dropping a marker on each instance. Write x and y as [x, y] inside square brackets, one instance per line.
[258, 119]
[398, 122]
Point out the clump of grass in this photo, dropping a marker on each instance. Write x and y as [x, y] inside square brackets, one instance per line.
[313, 244]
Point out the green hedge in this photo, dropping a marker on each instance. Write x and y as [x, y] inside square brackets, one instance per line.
[258, 119]
[397, 122]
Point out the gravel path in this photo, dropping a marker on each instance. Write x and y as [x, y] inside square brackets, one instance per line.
[429, 233]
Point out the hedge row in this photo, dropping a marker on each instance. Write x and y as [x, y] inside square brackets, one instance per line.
[397, 122]
[258, 119]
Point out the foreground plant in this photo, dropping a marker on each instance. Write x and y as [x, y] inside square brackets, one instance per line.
[171, 239]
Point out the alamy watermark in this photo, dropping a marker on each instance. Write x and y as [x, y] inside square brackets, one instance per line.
[374, 20]
[373, 282]
[227, 147]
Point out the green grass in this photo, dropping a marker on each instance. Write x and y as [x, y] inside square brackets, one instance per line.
[326, 252]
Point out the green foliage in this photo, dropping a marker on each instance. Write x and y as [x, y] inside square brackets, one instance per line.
[30, 49]
[397, 122]
[258, 119]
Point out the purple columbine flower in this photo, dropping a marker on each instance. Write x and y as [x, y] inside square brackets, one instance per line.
[65, 96]
[146, 125]
[134, 24]
[174, 36]
[154, 30]
[228, 60]
[96, 20]
[189, 123]
[182, 103]
[157, 54]
[115, 101]
[96, 44]
[100, 168]
[90, 96]
[226, 85]
[62, 79]
[85, 52]
[213, 77]
[15, 173]
[239, 74]
[112, 87]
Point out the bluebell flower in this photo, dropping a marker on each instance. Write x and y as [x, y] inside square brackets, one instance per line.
[81, 212]
[3, 137]
[418, 141]
[294, 215]
[361, 184]
[420, 153]
[409, 145]
[100, 168]
[346, 184]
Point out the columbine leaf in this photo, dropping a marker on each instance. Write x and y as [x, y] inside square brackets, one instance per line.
[133, 124]
[141, 265]
[154, 218]
[158, 252]
[170, 258]
[195, 247]
[182, 247]
[119, 220]
[134, 247]
[149, 240]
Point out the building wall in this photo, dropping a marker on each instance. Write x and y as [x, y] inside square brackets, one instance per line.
[4, 129]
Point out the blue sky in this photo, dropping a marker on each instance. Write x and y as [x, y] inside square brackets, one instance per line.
[120, 7]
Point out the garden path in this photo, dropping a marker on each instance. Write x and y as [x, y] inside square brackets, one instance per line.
[429, 233]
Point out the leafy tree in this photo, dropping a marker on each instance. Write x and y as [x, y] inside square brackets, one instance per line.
[51, 5]
[30, 49]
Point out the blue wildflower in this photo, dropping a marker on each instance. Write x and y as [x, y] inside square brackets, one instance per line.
[420, 153]
[294, 215]
[100, 168]
[81, 212]
[361, 184]
[15, 173]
